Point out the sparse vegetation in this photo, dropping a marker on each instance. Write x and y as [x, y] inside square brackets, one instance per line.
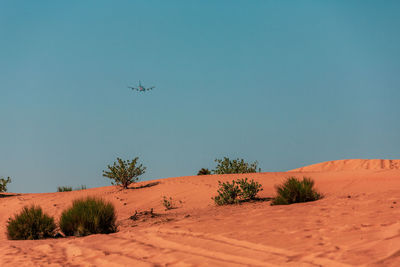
[146, 214]
[249, 190]
[204, 171]
[167, 203]
[228, 193]
[237, 191]
[82, 187]
[69, 188]
[64, 188]
[31, 223]
[124, 172]
[227, 166]
[3, 184]
[88, 216]
[295, 191]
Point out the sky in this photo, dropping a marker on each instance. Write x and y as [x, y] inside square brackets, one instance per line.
[286, 83]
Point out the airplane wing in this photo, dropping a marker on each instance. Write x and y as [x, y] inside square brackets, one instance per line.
[133, 88]
[150, 88]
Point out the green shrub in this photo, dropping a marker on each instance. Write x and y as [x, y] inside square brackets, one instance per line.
[82, 187]
[125, 172]
[167, 203]
[295, 191]
[69, 188]
[228, 193]
[88, 216]
[31, 223]
[239, 190]
[3, 184]
[204, 171]
[226, 166]
[64, 188]
[249, 190]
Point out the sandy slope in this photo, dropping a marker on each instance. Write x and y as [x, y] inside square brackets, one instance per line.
[356, 224]
[352, 165]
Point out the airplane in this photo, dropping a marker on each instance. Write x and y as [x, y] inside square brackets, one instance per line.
[141, 88]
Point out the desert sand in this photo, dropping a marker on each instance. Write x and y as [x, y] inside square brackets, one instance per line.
[357, 223]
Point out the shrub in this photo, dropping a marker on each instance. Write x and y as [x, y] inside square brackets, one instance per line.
[69, 188]
[64, 188]
[249, 190]
[3, 184]
[228, 193]
[239, 190]
[125, 172]
[82, 187]
[88, 216]
[295, 191]
[204, 171]
[167, 203]
[31, 223]
[226, 166]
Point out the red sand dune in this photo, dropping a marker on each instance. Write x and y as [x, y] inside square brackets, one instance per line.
[357, 223]
[352, 165]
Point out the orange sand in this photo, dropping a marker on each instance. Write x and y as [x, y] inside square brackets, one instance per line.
[356, 224]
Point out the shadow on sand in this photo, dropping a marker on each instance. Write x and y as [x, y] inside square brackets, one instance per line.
[9, 195]
[145, 185]
[257, 199]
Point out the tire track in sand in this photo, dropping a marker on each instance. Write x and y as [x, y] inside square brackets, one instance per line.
[229, 250]
[163, 247]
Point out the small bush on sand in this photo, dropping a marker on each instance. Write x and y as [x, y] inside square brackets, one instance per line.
[237, 191]
[204, 171]
[249, 190]
[168, 203]
[31, 223]
[228, 193]
[226, 166]
[125, 172]
[69, 188]
[295, 191]
[82, 187]
[64, 188]
[88, 216]
[3, 184]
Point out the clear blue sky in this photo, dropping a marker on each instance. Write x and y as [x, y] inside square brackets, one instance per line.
[287, 83]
